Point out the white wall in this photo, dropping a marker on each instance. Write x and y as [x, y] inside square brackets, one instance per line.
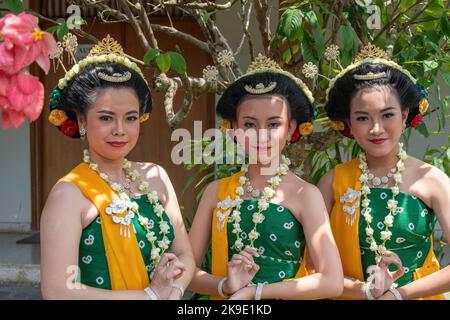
[15, 182]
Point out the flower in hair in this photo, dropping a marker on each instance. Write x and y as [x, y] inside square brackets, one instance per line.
[423, 106]
[416, 121]
[306, 128]
[57, 117]
[295, 136]
[144, 117]
[423, 91]
[225, 125]
[69, 128]
[338, 125]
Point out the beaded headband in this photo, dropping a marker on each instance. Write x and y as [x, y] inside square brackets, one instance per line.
[107, 50]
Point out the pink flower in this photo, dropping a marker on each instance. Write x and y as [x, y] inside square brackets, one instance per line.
[23, 43]
[21, 96]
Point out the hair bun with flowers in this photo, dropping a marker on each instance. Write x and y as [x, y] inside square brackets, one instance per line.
[107, 50]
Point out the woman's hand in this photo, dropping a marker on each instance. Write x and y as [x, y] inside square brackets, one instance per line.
[241, 270]
[385, 278]
[168, 269]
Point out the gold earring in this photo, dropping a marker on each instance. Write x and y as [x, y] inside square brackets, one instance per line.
[82, 133]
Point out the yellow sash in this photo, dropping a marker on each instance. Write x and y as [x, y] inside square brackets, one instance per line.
[219, 242]
[347, 238]
[125, 263]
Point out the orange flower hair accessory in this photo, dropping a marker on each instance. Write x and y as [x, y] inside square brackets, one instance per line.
[306, 128]
[225, 125]
[144, 117]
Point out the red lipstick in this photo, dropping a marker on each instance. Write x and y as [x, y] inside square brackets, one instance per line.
[117, 144]
[377, 141]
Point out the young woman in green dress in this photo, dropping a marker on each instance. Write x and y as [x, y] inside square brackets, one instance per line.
[384, 203]
[259, 220]
[111, 228]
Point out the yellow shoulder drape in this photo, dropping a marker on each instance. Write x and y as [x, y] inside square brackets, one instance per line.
[219, 242]
[125, 263]
[347, 236]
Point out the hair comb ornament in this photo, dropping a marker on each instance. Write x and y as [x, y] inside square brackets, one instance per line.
[260, 88]
[116, 77]
[370, 76]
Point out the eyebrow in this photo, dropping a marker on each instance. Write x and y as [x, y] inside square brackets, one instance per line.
[112, 113]
[271, 118]
[384, 110]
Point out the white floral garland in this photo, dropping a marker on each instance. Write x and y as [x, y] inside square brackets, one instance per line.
[119, 205]
[380, 249]
[263, 203]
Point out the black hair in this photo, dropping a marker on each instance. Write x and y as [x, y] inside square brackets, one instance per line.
[300, 108]
[346, 87]
[77, 97]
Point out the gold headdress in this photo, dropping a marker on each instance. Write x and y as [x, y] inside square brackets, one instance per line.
[261, 64]
[107, 50]
[374, 55]
[369, 54]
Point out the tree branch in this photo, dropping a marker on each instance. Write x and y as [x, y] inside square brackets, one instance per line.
[182, 35]
[261, 9]
[145, 24]
[207, 5]
[245, 18]
[136, 26]
[387, 26]
[338, 24]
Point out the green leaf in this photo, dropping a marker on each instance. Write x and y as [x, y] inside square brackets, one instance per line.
[150, 55]
[62, 31]
[430, 152]
[178, 63]
[447, 153]
[319, 41]
[15, 6]
[384, 11]
[430, 65]
[163, 61]
[445, 25]
[348, 37]
[409, 53]
[307, 51]
[291, 23]
[52, 29]
[438, 163]
[422, 128]
[287, 56]
[446, 76]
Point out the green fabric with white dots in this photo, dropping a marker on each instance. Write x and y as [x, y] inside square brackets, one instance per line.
[281, 242]
[413, 225]
[92, 259]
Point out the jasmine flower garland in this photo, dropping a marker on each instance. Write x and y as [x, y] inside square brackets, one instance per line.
[380, 249]
[123, 203]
